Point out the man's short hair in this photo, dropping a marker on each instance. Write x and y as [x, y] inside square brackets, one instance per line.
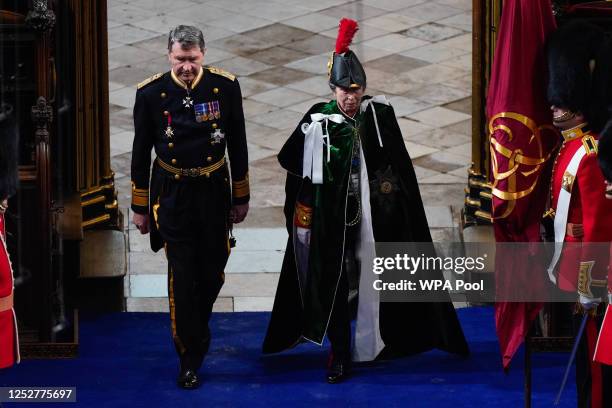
[187, 36]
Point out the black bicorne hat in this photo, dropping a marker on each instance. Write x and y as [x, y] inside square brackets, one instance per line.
[345, 70]
[579, 64]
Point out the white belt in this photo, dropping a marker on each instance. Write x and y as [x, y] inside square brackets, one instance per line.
[562, 211]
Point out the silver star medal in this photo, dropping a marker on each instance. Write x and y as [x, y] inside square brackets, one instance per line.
[169, 132]
[187, 102]
[217, 136]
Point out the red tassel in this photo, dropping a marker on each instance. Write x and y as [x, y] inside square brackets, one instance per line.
[346, 32]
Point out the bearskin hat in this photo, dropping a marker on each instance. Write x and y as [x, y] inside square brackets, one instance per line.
[579, 63]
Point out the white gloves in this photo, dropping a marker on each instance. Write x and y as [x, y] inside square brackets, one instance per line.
[589, 303]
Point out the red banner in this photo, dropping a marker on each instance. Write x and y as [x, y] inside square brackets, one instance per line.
[522, 138]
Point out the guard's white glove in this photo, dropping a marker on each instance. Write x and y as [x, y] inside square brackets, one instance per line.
[589, 303]
[303, 235]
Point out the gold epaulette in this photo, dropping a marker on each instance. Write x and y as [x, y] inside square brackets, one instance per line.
[222, 72]
[590, 144]
[149, 80]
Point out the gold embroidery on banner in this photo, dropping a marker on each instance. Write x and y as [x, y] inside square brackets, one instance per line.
[517, 160]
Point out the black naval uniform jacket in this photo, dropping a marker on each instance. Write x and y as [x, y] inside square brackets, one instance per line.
[165, 119]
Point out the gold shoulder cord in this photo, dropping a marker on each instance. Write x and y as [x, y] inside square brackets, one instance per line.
[149, 80]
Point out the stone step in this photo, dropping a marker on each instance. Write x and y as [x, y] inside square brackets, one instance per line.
[257, 250]
[236, 285]
[160, 304]
[223, 304]
[240, 261]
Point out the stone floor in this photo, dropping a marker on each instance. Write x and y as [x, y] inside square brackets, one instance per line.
[416, 52]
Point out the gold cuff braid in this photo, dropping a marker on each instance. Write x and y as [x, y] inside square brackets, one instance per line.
[241, 188]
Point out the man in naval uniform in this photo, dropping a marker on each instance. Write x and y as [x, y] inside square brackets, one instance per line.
[579, 92]
[191, 116]
[350, 182]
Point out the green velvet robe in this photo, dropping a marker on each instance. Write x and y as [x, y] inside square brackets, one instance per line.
[302, 307]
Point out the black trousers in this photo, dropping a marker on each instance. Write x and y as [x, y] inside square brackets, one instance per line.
[195, 277]
[585, 369]
[192, 220]
[339, 328]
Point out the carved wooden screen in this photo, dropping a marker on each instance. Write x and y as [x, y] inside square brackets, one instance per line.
[486, 17]
[53, 72]
[28, 85]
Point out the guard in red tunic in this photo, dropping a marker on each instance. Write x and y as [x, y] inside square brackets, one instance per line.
[603, 348]
[579, 66]
[9, 345]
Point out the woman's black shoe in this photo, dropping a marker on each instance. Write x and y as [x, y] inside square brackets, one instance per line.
[188, 379]
[337, 372]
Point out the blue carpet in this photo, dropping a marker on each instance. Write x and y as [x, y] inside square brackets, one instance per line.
[127, 360]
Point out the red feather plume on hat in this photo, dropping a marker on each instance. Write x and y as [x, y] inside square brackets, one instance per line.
[346, 32]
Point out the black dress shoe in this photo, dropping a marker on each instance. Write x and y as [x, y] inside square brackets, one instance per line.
[188, 379]
[337, 372]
